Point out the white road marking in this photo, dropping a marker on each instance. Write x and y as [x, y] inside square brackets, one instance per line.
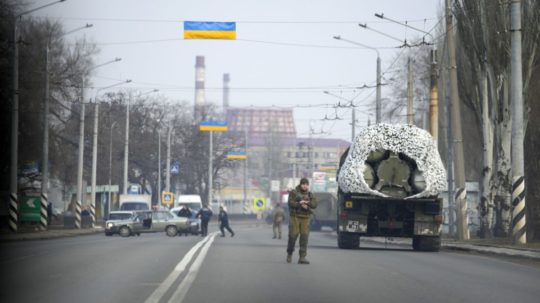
[183, 288]
[180, 267]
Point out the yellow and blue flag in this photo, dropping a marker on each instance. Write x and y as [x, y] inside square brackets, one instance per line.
[237, 155]
[209, 30]
[213, 126]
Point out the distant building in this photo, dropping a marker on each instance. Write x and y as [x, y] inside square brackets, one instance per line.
[275, 155]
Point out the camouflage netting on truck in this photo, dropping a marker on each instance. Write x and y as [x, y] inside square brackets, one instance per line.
[408, 140]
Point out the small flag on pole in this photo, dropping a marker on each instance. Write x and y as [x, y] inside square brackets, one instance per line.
[209, 30]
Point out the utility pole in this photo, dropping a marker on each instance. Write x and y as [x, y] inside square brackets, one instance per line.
[159, 168]
[110, 168]
[410, 94]
[94, 164]
[126, 146]
[45, 161]
[45, 165]
[210, 177]
[13, 188]
[353, 123]
[80, 166]
[461, 192]
[245, 165]
[519, 230]
[168, 176]
[434, 97]
[78, 204]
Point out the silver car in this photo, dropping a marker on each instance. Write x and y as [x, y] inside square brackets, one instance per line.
[116, 219]
[150, 221]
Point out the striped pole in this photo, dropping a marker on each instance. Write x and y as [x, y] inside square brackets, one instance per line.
[463, 220]
[93, 214]
[518, 213]
[44, 203]
[13, 212]
[78, 215]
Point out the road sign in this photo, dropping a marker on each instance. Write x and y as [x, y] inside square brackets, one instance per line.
[259, 203]
[167, 198]
[216, 126]
[175, 168]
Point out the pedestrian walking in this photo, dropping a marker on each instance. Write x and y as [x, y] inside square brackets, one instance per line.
[301, 202]
[278, 215]
[223, 219]
[205, 213]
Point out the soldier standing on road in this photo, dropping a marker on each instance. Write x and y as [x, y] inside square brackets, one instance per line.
[278, 215]
[204, 214]
[223, 219]
[301, 202]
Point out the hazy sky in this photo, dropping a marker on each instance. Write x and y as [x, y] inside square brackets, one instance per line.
[284, 54]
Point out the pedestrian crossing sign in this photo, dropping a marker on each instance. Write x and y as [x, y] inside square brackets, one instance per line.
[259, 203]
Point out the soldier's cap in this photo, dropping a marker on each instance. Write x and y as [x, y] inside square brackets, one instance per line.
[304, 181]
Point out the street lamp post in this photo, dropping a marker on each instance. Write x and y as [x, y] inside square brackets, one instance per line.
[378, 92]
[45, 164]
[110, 169]
[81, 147]
[13, 197]
[94, 151]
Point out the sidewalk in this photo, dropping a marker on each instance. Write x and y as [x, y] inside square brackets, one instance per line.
[54, 231]
[496, 246]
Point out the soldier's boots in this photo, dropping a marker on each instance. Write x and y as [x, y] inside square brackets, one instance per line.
[303, 260]
[289, 258]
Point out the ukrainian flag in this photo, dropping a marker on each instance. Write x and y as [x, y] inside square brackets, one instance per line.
[213, 126]
[209, 30]
[237, 155]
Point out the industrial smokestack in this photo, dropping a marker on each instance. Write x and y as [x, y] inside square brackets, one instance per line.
[199, 85]
[226, 80]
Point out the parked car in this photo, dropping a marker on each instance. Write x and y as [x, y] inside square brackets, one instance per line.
[149, 221]
[194, 222]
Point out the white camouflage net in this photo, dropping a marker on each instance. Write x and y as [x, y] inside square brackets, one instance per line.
[414, 142]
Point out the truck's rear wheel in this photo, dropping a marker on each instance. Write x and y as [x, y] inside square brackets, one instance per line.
[348, 241]
[426, 243]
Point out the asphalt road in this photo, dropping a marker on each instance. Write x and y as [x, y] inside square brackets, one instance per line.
[251, 267]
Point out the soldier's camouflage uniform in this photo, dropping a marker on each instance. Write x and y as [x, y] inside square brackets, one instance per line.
[299, 219]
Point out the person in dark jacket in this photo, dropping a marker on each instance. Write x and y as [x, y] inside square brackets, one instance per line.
[204, 214]
[223, 219]
[186, 213]
[301, 202]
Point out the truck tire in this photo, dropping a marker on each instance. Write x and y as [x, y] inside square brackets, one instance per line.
[171, 231]
[426, 243]
[124, 231]
[348, 241]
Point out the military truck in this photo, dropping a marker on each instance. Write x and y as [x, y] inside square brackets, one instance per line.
[389, 181]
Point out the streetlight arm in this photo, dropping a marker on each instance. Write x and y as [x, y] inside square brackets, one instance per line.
[106, 87]
[379, 32]
[357, 43]
[37, 8]
[88, 25]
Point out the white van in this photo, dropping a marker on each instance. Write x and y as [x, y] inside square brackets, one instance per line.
[194, 202]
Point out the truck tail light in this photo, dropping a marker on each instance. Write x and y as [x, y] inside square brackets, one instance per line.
[343, 215]
[439, 219]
